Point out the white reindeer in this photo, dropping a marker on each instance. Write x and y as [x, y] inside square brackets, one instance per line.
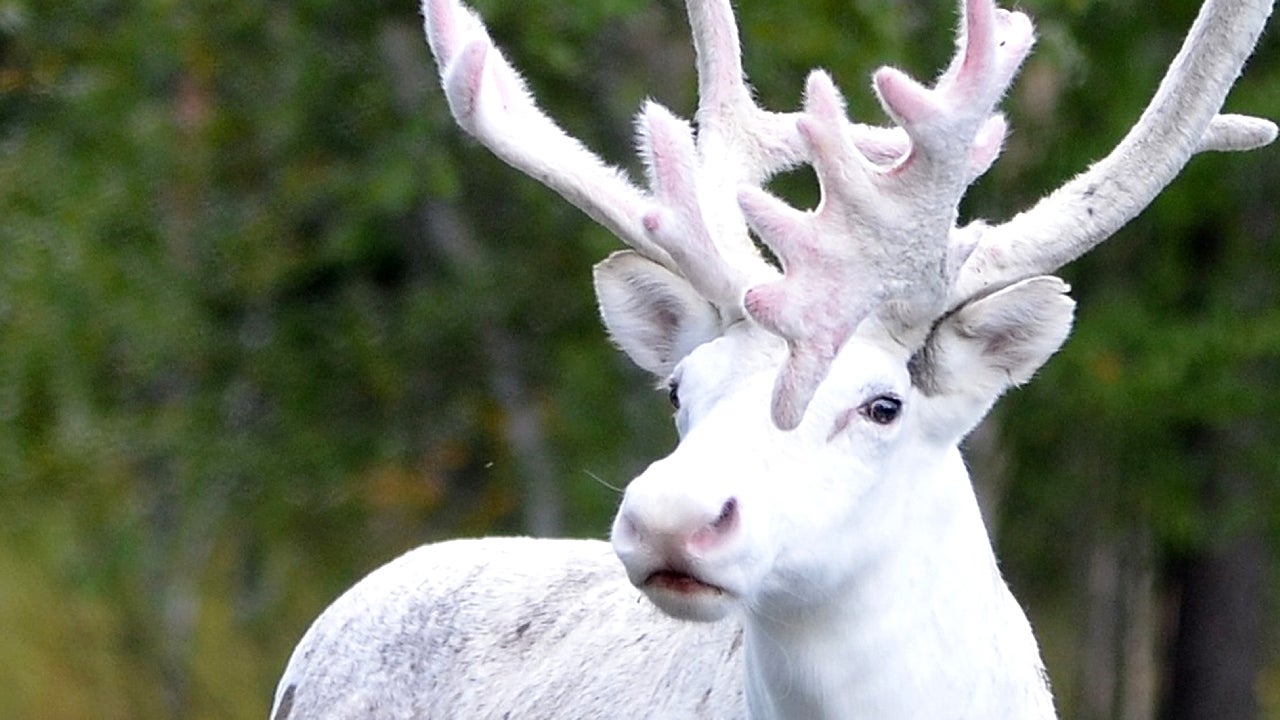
[816, 499]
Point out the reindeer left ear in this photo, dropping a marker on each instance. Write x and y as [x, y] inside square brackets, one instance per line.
[987, 346]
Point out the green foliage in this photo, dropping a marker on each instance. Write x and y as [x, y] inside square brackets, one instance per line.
[253, 280]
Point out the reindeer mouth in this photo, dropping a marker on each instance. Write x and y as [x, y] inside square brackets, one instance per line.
[680, 583]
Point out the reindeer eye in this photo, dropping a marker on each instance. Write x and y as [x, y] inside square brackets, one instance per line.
[882, 409]
[673, 394]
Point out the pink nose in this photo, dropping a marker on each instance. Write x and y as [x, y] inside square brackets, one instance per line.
[679, 531]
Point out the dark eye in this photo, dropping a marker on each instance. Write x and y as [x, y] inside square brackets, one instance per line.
[673, 394]
[882, 409]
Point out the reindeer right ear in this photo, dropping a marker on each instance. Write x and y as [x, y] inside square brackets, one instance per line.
[654, 315]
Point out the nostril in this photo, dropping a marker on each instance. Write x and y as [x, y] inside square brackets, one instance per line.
[718, 530]
[728, 516]
[625, 529]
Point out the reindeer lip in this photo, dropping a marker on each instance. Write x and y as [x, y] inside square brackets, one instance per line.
[680, 582]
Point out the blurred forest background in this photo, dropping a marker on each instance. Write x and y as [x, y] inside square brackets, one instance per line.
[268, 320]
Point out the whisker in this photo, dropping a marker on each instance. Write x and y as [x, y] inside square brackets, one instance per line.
[602, 481]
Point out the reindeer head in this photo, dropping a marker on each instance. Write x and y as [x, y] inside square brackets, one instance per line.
[818, 399]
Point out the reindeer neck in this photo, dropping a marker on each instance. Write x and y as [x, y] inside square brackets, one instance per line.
[926, 628]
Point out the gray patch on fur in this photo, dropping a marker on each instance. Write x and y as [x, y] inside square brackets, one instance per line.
[286, 704]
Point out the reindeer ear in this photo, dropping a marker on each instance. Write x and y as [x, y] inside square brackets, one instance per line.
[987, 346]
[654, 315]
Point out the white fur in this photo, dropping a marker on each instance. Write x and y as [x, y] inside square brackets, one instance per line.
[508, 628]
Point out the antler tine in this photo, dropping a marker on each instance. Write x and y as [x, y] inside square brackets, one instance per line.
[678, 220]
[1180, 121]
[733, 131]
[894, 257]
[490, 100]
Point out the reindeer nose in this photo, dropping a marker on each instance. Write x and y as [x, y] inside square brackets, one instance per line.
[676, 527]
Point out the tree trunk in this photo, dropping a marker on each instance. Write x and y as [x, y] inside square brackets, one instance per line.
[1218, 650]
[1117, 652]
[1217, 653]
[1220, 593]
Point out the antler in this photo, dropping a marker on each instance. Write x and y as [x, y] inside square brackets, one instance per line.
[879, 241]
[1180, 121]
[882, 243]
